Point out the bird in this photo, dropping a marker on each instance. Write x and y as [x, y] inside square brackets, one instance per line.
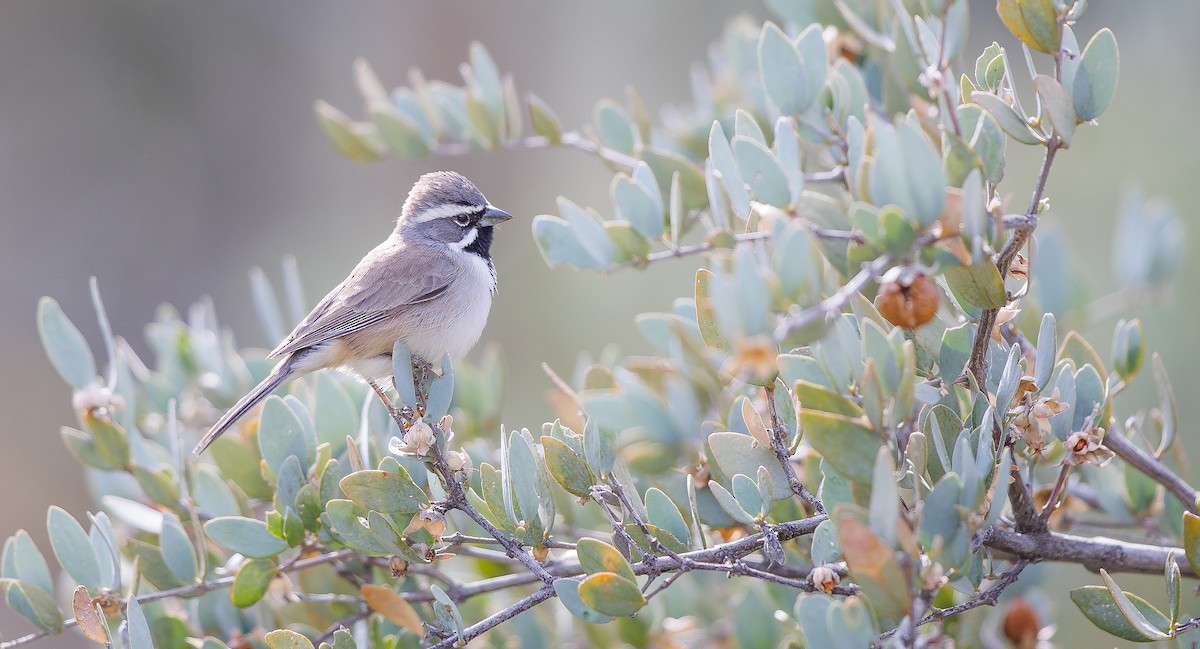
[429, 285]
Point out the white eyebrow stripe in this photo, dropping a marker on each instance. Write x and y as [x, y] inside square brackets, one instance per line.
[466, 240]
[443, 211]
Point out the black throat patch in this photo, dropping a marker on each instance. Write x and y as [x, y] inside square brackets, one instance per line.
[482, 244]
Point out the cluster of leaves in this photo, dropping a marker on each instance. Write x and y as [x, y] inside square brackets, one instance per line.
[872, 478]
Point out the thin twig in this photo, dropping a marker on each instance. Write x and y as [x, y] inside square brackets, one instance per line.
[978, 361]
[477, 629]
[781, 445]
[685, 251]
[987, 597]
[1154, 469]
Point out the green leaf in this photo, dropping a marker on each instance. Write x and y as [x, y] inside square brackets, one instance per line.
[979, 284]
[1131, 612]
[543, 119]
[447, 611]
[1191, 540]
[1006, 117]
[73, 548]
[748, 497]
[341, 640]
[989, 67]
[630, 244]
[611, 594]
[598, 449]
[401, 134]
[139, 629]
[355, 141]
[825, 545]
[484, 79]
[691, 178]
[614, 128]
[729, 503]
[1058, 106]
[726, 169]
[282, 434]
[526, 473]
[390, 492]
[1097, 604]
[706, 312]
[1174, 586]
[1167, 407]
[440, 391]
[567, 467]
[782, 72]
[853, 621]
[246, 536]
[1127, 348]
[36, 605]
[1047, 346]
[285, 639]
[819, 397]
[66, 347]
[596, 556]
[22, 560]
[737, 453]
[349, 522]
[158, 484]
[252, 581]
[762, 172]
[177, 550]
[567, 591]
[1096, 77]
[884, 510]
[1035, 22]
[588, 231]
[640, 206]
[812, 612]
[845, 443]
[925, 174]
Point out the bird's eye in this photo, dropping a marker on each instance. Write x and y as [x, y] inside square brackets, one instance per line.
[463, 219]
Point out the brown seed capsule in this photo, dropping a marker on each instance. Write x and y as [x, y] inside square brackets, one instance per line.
[1021, 624]
[908, 297]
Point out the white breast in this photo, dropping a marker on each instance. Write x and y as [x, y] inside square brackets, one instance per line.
[462, 312]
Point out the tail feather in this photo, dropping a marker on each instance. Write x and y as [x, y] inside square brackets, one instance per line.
[281, 373]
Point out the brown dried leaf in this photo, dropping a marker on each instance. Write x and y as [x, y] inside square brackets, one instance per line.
[86, 617]
[391, 605]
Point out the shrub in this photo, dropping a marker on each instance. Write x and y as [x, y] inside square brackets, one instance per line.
[863, 410]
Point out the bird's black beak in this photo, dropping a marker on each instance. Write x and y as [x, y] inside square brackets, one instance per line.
[494, 216]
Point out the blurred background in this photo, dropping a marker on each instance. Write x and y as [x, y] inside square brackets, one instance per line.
[167, 148]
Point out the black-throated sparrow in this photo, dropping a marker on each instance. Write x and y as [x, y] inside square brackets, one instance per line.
[429, 285]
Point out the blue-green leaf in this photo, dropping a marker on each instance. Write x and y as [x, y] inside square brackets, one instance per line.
[66, 347]
[246, 536]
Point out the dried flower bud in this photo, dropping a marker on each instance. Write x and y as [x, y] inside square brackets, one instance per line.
[1019, 266]
[417, 440]
[756, 354]
[908, 297]
[824, 578]
[1086, 447]
[541, 554]
[459, 461]
[93, 397]
[431, 520]
[933, 575]
[398, 566]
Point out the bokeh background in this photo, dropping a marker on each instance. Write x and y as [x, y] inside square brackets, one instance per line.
[167, 148]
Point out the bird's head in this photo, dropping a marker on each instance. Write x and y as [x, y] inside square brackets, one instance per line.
[444, 207]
